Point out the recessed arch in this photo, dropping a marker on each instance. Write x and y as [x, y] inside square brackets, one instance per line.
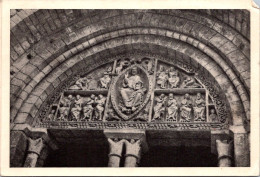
[122, 44]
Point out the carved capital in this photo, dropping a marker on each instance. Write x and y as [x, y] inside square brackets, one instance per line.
[133, 148]
[115, 147]
[35, 146]
[223, 148]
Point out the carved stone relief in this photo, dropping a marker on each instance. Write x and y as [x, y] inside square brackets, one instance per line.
[140, 89]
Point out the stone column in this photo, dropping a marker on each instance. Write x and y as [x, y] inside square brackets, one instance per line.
[34, 150]
[241, 146]
[224, 153]
[133, 153]
[133, 148]
[115, 154]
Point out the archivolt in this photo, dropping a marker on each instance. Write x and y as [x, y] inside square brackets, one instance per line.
[148, 40]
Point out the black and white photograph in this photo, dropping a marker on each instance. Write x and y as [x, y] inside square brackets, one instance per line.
[130, 88]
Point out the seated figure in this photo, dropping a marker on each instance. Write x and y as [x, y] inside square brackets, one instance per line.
[63, 112]
[51, 115]
[132, 91]
[80, 84]
[186, 106]
[105, 81]
[190, 82]
[88, 108]
[173, 79]
[159, 108]
[76, 109]
[213, 116]
[172, 108]
[99, 109]
[162, 77]
[199, 109]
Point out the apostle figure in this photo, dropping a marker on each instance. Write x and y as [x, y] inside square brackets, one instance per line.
[64, 112]
[159, 108]
[162, 77]
[91, 84]
[76, 109]
[105, 81]
[199, 108]
[51, 115]
[100, 101]
[173, 78]
[190, 82]
[88, 108]
[132, 91]
[121, 65]
[213, 116]
[186, 106]
[67, 101]
[172, 108]
[80, 84]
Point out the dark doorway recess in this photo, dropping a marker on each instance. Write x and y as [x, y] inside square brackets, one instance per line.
[78, 155]
[161, 156]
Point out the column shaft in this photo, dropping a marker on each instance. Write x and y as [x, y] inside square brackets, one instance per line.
[241, 150]
[34, 150]
[224, 153]
[115, 154]
[133, 153]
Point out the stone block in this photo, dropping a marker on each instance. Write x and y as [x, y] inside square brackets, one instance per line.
[32, 99]
[18, 48]
[17, 82]
[218, 40]
[232, 20]
[23, 118]
[228, 48]
[28, 88]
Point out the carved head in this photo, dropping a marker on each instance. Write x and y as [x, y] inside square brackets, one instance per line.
[92, 96]
[212, 111]
[198, 95]
[172, 69]
[162, 95]
[139, 85]
[70, 97]
[100, 96]
[53, 111]
[132, 141]
[161, 68]
[187, 96]
[170, 96]
[116, 139]
[78, 97]
[134, 71]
